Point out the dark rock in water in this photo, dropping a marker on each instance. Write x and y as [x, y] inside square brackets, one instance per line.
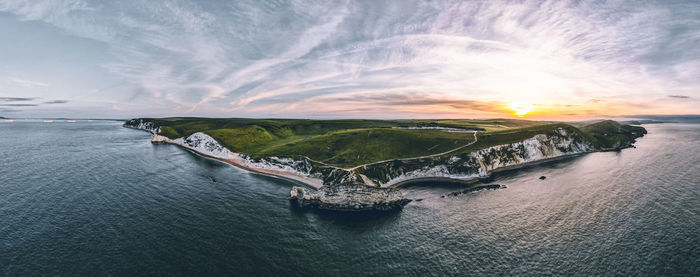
[543, 177]
[212, 179]
[456, 193]
[355, 197]
[418, 200]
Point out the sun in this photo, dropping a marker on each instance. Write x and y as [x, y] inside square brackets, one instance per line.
[521, 109]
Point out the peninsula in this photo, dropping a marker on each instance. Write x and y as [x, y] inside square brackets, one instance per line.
[359, 164]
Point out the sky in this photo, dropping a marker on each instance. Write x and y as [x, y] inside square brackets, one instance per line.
[349, 59]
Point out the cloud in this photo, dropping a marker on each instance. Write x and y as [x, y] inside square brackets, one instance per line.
[253, 57]
[56, 102]
[27, 83]
[16, 99]
[11, 102]
[679, 96]
[18, 105]
[385, 105]
[416, 100]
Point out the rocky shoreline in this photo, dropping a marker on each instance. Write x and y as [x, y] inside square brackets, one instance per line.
[373, 186]
[354, 197]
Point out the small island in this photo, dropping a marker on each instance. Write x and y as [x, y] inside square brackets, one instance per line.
[358, 165]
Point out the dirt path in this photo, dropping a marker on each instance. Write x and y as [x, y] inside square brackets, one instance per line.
[402, 159]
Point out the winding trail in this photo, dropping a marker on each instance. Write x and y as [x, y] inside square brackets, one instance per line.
[476, 139]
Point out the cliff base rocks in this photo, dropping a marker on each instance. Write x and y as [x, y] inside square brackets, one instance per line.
[349, 198]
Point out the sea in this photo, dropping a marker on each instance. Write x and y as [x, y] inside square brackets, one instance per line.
[92, 198]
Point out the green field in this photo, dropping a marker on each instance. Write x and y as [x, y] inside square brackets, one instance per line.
[360, 146]
[348, 143]
[488, 139]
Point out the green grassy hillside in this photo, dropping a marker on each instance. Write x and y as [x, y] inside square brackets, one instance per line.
[488, 125]
[349, 143]
[359, 146]
[609, 134]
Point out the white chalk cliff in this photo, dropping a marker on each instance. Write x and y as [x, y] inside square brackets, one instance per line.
[480, 163]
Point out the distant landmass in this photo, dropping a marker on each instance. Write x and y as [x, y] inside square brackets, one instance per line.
[644, 121]
[690, 118]
[358, 164]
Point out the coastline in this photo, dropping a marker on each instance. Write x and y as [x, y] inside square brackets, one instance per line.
[317, 184]
[473, 180]
[312, 183]
[236, 159]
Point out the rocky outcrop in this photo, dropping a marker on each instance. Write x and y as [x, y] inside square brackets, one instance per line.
[300, 166]
[197, 142]
[203, 143]
[158, 139]
[349, 197]
[141, 124]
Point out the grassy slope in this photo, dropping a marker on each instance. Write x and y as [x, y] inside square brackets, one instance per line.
[353, 142]
[489, 125]
[360, 146]
[608, 133]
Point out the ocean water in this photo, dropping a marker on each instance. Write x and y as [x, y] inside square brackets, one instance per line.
[93, 198]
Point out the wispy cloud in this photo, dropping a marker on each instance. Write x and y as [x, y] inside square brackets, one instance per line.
[18, 105]
[679, 96]
[57, 102]
[418, 58]
[414, 100]
[27, 83]
[16, 99]
[27, 102]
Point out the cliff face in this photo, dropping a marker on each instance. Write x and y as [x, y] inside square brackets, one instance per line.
[302, 167]
[139, 123]
[558, 142]
[204, 144]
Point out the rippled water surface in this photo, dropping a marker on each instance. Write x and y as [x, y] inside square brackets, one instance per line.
[93, 198]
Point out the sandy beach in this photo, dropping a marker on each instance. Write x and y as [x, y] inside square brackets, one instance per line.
[237, 162]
